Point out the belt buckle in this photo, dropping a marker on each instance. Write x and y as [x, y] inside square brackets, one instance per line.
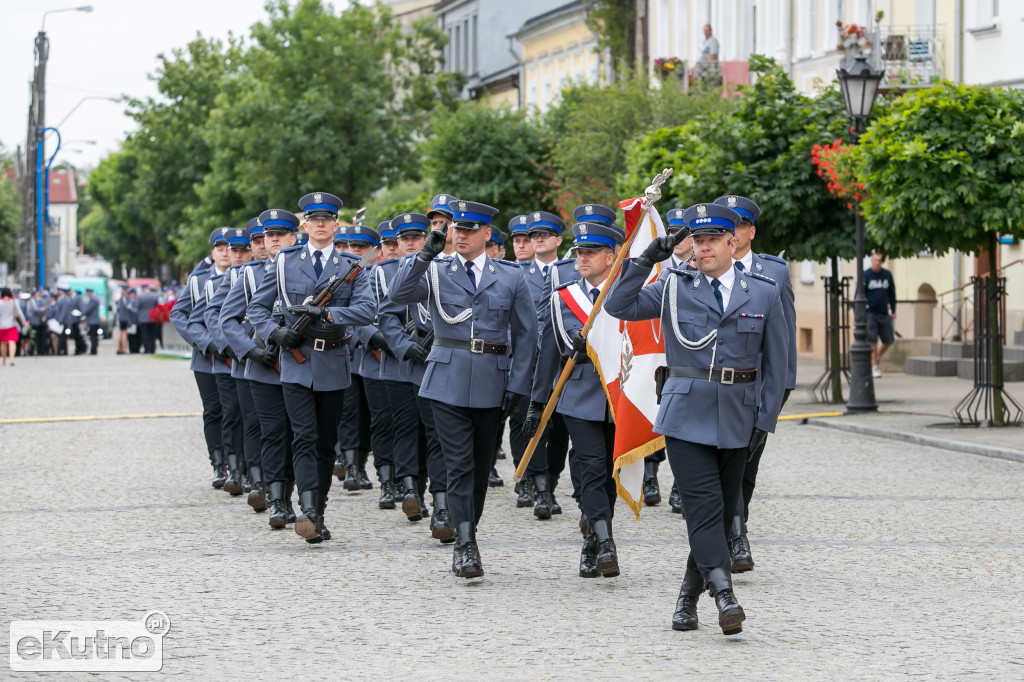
[732, 376]
[476, 346]
[318, 344]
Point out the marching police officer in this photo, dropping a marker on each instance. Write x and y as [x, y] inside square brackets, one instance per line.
[777, 269]
[485, 337]
[313, 387]
[91, 313]
[201, 365]
[720, 324]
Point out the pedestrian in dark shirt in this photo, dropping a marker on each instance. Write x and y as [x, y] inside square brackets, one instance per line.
[880, 289]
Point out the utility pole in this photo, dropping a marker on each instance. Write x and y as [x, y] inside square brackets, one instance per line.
[26, 262]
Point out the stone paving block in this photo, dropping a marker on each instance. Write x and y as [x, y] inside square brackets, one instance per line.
[931, 366]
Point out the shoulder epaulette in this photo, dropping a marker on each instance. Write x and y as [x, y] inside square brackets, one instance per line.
[443, 257]
[563, 285]
[564, 261]
[389, 260]
[506, 262]
[346, 254]
[682, 271]
[241, 265]
[763, 278]
[291, 248]
[216, 275]
[768, 256]
[200, 272]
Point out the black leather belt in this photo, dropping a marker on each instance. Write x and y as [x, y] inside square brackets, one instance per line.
[726, 375]
[326, 344]
[473, 346]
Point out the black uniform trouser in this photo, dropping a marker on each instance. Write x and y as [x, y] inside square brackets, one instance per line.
[147, 332]
[539, 462]
[437, 470]
[314, 416]
[210, 396]
[354, 426]
[232, 435]
[251, 433]
[749, 479]
[466, 435]
[275, 431]
[76, 334]
[42, 333]
[709, 480]
[135, 340]
[382, 426]
[402, 398]
[556, 450]
[593, 445]
[94, 338]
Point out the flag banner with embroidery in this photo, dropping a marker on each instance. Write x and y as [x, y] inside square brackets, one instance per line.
[632, 392]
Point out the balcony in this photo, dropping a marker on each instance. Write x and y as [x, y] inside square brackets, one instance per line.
[910, 56]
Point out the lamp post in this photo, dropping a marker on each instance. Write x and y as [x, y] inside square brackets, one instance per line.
[860, 86]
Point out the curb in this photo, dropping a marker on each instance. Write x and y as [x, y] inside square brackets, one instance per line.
[944, 443]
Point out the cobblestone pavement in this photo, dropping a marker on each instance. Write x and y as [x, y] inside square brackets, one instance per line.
[875, 559]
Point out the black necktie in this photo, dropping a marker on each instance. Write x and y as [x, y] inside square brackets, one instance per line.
[318, 267]
[594, 293]
[718, 294]
[739, 264]
[469, 272]
[545, 271]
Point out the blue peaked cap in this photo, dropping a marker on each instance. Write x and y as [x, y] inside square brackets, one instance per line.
[279, 220]
[748, 210]
[593, 213]
[320, 203]
[597, 235]
[711, 219]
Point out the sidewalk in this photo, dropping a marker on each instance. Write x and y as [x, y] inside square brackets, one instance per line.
[912, 409]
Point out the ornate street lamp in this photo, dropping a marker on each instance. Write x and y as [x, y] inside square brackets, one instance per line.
[860, 86]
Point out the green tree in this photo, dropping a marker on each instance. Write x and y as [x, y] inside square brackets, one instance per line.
[614, 23]
[10, 209]
[493, 156]
[944, 169]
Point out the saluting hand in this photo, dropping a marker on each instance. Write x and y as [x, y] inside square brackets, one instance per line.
[660, 249]
[434, 244]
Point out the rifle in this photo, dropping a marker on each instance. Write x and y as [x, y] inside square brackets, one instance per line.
[324, 297]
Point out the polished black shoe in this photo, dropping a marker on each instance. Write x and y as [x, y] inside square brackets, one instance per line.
[469, 564]
[289, 488]
[685, 616]
[386, 474]
[675, 500]
[364, 480]
[652, 493]
[494, 480]
[730, 613]
[321, 507]
[306, 524]
[607, 556]
[739, 547]
[219, 470]
[501, 453]
[411, 504]
[246, 483]
[525, 498]
[555, 507]
[257, 494]
[233, 483]
[278, 513]
[440, 522]
[351, 482]
[542, 510]
[588, 558]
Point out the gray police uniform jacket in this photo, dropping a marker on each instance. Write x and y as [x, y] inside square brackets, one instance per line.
[696, 332]
[212, 316]
[201, 334]
[364, 361]
[91, 310]
[499, 309]
[392, 319]
[35, 310]
[583, 395]
[777, 269]
[74, 303]
[145, 303]
[180, 313]
[292, 279]
[389, 321]
[59, 309]
[126, 311]
[236, 327]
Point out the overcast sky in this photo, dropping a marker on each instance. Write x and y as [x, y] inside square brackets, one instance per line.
[108, 52]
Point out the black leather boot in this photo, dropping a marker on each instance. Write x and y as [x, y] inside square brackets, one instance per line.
[278, 513]
[386, 476]
[258, 494]
[739, 547]
[219, 472]
[351, 471]
[675, 500]
[525, 498]
[243, 466]
[440, 522]
[411, 498]
[652, 493]
[501, 453]
[607, 557]
[543, 508]
[422, 489]
[494, 480]
[588, 558]
[233, 483]
[289, 488]
[584, 525]
[339, 463]
[685, 617]
[306, 525]
[468, 563]
[364, 480]
[321, 507]
[730, 613]
[555, 507]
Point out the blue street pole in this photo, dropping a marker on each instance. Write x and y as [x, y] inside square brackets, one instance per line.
[43, 200]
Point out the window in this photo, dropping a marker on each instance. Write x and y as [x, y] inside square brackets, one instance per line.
[456, 50]
[476, 56]
[807, 272]
[465, 47]
[988, 12]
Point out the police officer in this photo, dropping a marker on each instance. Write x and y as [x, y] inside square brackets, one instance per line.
[147, 330]
[127, 316]
[496, 244]
[724, 329]
[408, 333]
[264, 382]
[313, 388]
[59, 312]
[485, 336]
[777, 269]
[201, 365]
[583, 404]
